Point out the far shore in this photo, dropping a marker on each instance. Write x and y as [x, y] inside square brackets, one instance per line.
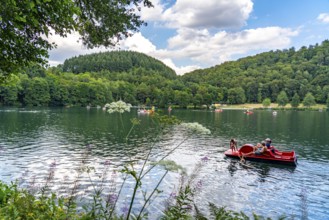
[272, 106]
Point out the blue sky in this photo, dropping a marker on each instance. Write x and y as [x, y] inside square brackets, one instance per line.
[193, 34]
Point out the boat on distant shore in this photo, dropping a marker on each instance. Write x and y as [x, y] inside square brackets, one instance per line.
[272, 155]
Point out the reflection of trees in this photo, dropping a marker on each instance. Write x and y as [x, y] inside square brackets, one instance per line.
[74, 128]
[16, 121]
[263, 173]
[263, 170]
[303, 203]
[232, 167]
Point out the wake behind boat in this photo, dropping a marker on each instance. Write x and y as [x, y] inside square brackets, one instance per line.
[278, 157]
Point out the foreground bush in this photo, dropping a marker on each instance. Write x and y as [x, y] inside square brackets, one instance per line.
[18, 203]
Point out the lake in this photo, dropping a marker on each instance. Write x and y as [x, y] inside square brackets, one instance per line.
[34, 139]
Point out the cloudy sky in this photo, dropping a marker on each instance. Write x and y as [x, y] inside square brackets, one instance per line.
[192, 34]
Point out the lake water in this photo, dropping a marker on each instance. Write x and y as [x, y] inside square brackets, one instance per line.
[32, 140]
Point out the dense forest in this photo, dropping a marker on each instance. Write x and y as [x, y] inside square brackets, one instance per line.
[138, 79]
[265, 75]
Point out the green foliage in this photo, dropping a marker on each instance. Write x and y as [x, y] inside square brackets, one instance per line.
[116, 61]
[182, 207]
[295, 101]
[309, 100]
[22, 25]
[266, 102]
[135, 78]
[20, 204]
[9, 92]
[170, 165]
[282, 99]
[219, 213]
[328, 101]
[223, 213]
[24, 22]
[236, 96]
[266, 74]
[182, 98]
[36, 92]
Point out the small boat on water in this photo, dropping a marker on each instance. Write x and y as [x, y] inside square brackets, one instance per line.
[143, 111]
[218, 110]
[278, 157]
[146, 111]
[248, 112]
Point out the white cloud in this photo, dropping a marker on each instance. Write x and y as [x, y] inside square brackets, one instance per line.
[138, 43]
[179, 70]
[185, 69]
[324, 17]
[206, 49]
[154, 13]
[68, 47]
[71, 46]
[200, 47]
[196, 44]
[201, 14]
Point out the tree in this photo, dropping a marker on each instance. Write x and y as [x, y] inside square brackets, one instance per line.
[295, 101]
[282, 99]
[309, 100]
[36, 92]
[266, 102]
[182, 98]
[236, 96]
[328, 101]
[24, 23]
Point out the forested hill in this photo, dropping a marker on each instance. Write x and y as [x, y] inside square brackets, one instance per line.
[266, 74]
[136, 78]
[116, 61]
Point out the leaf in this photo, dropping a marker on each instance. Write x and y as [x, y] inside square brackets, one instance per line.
[169, 165]
[20, 18]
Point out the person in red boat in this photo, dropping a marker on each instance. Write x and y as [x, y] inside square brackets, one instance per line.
[233, 145]
[263, 144]
[268, 143]
[259, 149]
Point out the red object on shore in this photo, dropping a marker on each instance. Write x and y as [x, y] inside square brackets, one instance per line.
[279, 157]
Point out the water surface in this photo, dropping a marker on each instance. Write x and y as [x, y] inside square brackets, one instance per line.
[31, 140]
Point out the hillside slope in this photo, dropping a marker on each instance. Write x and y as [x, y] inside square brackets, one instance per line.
[267, 74]
[116, 61]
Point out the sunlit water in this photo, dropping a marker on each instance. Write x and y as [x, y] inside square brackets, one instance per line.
[32, 140]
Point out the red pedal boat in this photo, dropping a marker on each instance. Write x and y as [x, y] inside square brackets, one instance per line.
[279, 157]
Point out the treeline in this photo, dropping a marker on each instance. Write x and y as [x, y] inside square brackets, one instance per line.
[255, 78]
[55, 88]
[135, 78]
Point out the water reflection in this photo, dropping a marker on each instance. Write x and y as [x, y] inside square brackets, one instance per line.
[31, 139]
[232, 167]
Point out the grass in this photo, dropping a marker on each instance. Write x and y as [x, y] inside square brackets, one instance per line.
[273, 106]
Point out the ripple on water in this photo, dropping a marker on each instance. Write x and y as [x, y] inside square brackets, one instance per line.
[30, 150]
